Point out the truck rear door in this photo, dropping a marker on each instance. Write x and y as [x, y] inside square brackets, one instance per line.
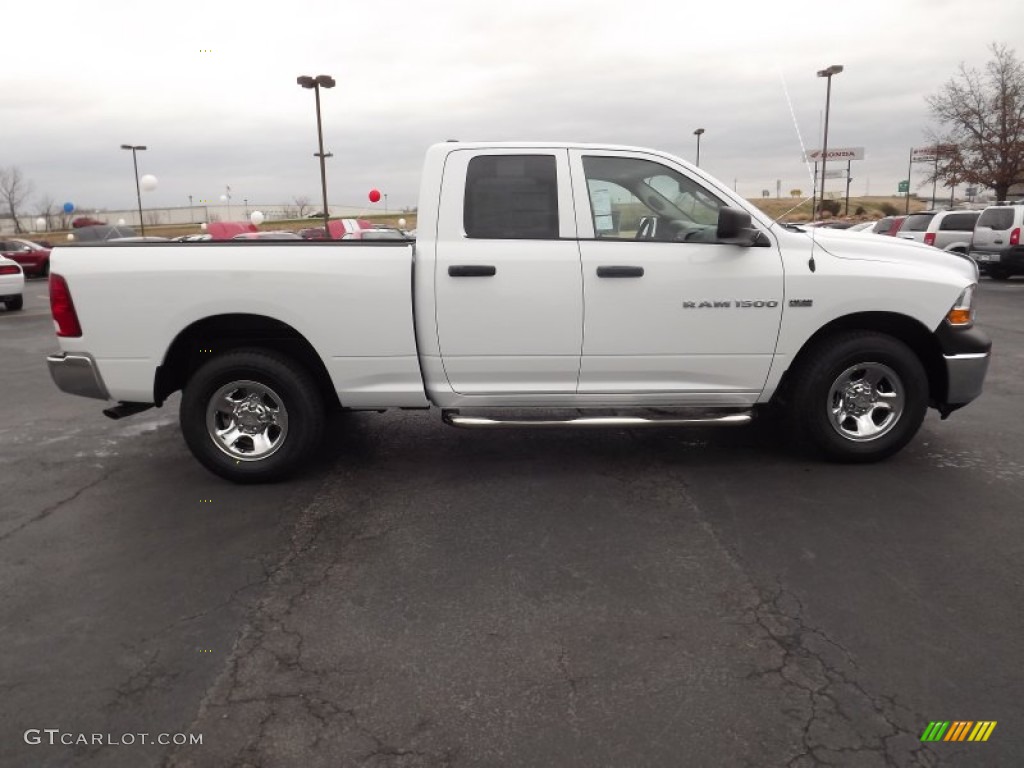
[508, 287]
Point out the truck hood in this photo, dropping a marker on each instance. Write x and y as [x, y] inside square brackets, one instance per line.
[868, 246]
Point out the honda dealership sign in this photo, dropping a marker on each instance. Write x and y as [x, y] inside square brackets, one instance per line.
[839, 153]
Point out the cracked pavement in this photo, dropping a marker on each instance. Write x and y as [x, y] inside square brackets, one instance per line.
[432, 597]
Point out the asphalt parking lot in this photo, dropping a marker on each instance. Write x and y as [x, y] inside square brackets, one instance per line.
[430, 597]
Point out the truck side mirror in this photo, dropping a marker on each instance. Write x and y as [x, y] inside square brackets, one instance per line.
[735, 227]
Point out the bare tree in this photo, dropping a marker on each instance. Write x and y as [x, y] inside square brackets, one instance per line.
[983, 114]
[949, 166]
[302, 204]
[13, 191]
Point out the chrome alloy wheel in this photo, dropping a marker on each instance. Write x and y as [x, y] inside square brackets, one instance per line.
[865, 401]
[247, 420]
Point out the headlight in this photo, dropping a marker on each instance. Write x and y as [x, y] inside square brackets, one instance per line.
[962, 312]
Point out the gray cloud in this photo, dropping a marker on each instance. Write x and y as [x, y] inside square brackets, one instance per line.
[412, 75]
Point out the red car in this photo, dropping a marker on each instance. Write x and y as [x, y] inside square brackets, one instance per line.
[85, 221]
[33, 258]
[890, 225]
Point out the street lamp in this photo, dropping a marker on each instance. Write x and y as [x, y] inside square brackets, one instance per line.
[138, 192]
[698, 133]
[316, 83]
[835, 69]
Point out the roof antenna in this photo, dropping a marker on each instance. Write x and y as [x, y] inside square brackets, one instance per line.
[803, 153]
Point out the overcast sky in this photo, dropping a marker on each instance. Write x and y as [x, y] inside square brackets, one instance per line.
[210, 88]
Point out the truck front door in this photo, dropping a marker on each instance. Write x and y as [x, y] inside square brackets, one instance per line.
[667, 308]
[508, 287]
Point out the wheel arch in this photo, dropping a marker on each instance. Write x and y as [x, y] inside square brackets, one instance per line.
[217, 334]
[912, 332]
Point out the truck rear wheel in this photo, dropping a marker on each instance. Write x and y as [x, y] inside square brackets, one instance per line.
[252, 415]
[859, 397]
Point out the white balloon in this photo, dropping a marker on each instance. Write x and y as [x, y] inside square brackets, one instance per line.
[148, 182]
[202, 226]
[256, 217]
[70, 236]
[223, 198]
[401, 222]
[40, 222]
[120, 222]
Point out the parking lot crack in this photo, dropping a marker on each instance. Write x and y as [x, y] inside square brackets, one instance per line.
[149, 677]
[841, 717]
[563, 666]
[45, 513]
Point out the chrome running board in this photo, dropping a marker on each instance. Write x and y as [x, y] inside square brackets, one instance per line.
[452, 418]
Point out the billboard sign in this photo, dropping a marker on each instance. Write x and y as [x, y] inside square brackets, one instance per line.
[930, 154]
[837, 153]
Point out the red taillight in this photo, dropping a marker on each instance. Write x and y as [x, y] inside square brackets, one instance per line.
[65, 319]
[929, 238]
[9, 269]
[1015, 236]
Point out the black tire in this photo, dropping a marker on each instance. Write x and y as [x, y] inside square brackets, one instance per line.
[45, 271]
[14, 302]
[835, 408]
[285, 394]
[999, 274]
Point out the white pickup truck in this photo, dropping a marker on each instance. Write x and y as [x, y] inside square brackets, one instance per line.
[621, 285]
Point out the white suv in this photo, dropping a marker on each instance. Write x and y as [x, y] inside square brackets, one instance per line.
[996, 245]
[915, 225]
[951, 230]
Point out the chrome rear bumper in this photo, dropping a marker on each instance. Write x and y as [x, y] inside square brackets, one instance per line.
[77, 375]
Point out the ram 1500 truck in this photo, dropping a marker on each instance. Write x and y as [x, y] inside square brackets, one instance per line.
[545, 278]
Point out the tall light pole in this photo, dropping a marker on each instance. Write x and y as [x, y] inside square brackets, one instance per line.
[138, 191]
[835, 69]
[698, 133]
[316, 83]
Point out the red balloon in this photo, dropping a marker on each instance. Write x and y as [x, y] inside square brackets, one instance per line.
[374, 195]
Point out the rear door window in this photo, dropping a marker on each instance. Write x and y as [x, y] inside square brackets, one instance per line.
[962, 222]
[996, 218]
[917, 222]
[511, 197]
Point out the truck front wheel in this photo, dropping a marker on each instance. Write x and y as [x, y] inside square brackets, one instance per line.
[252, 415]
[859, 397]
